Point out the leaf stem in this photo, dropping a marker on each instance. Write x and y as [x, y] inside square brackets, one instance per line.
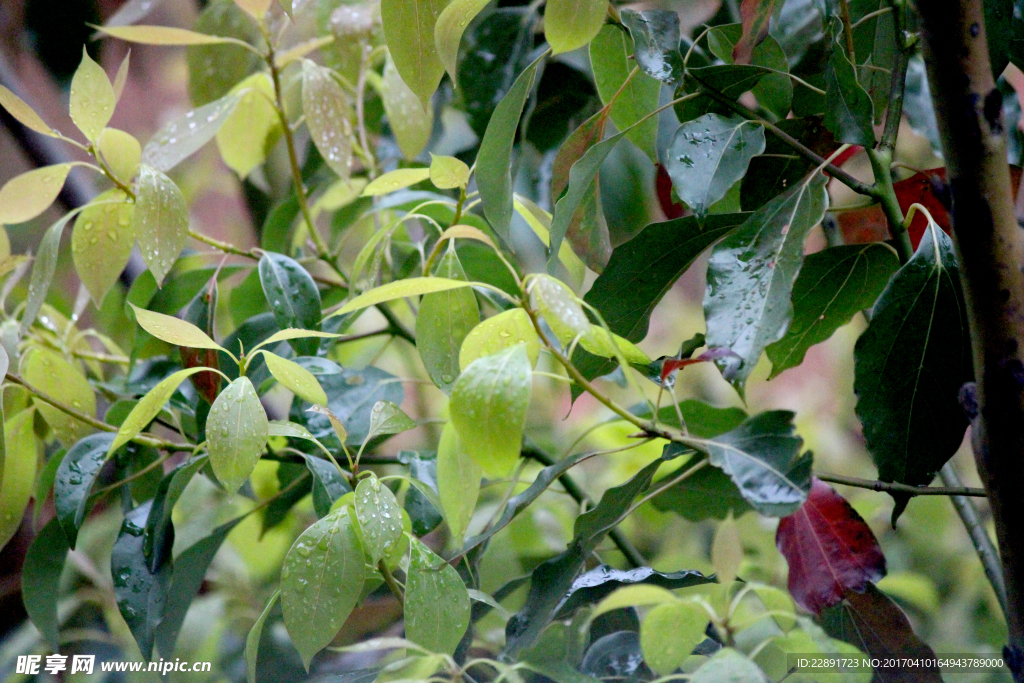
[389, 579]
[844, 10]
[892, 487]
[881, 165]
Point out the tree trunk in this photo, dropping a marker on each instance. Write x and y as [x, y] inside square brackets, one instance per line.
[990, 247]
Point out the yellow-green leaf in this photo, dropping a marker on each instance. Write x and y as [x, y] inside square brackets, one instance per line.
[638, 595]
[102, 241]
[387, 418]
[450, 26]
[257, 8]
[396, 180]
[25, 114]
[340, 194]
[237, 431]
[669, 634]
[726, 551]
[598, 342]
[559, 307]
[539, 221]
[458, 483]
[400, 289]
[409, 30]
[444, 320]
[498, 333]
[160, 222]
[436, 602]
[467, 232]
[411, 121]
[121, 77]
[571, 24]
[27, 195]
[173, 330]
[48, 371]
[295, 378]
[149, 406]
[121, 152]
[17, 472]
[301, 50]
[447, 173]
[253, 127]
[488, 408]
[162, 35]
[328, 117]
[92, 98]
[293, 333]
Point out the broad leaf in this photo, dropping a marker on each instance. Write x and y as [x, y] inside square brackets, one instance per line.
[92, 98]
[409, 30]
[121, 152]
[611, 59]
[413, 286]
[560, 308]
[379, 517]
[237, 431]
[293, 297]
[102, 242]
[184, 136]
[727, 664]
[571, 24]
[498, 333]
[779, 168]
[256, 8]
[448, 30]
[160, 221]
[751, 276]
[173, 330]
[410, 121]
[709, 155]
[594, 586]
[445, 320]
[75, 477]
[328, 117]
[910, 365]
[141, 595]
[850, 111]
[488, 408]
[448, 173]
[832, 287]
[830, 550]
[656, 36]
[328, 484]
[423, 514]
[250, 131]
[539, 221]
[436, 602]
[40, 579]
[321, 581]
[149, 406]
[290, 333]
[295, 378]
[730, 80]
[755, 16]
[18, 473]
[458, 482]
[23, 113]
[252, 641]
[386, 418]
[26, 196]
[670, 632]
[51, 373]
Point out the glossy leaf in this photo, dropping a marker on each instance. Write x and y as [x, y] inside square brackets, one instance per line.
[250, 131]
[850, 111]
[161, 221]
[173, 330]
[410, 120]
[328, 484]
[184, 136]
[379, 516]
[778, 169]
[775, 90]
[751, 276]
[76, 475]
[23, 113]
[494, 160]
[829, 548]
[351, 395]
[159, 538]
[413, 286]
[670, 632]
[43, 270]
[290, 333]
[295, 378]
[448, 30]
[141, 595]
[708, 493]
[252, 641]
[730, 80]
[92, 98]
[409, 30]
[571, 24]
[611, 59]
[595, 586]
[436, 602]
[26, 196]
[655, 33]
[40, 579]
[321, 581]
[19, 472]
[447, 173]
[755, 16]
[328, 117]
[445, 320]
[424, 515]
[910, 365]
[149, 406]
[121, 152]
[832, 287]
[458, 482]
[237, 433]
[293, 297]
[488, 408]
[51, 373]
[499, 333]
[387, 418]
[709, 155]
[162, 35]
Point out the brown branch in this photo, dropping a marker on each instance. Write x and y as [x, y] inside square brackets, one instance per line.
[891, 487]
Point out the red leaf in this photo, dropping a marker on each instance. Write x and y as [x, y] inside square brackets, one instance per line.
[663, 187]
[829, 548]
[206, 383]
[755, 15]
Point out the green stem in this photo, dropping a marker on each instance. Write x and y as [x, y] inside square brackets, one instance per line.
[389, 579]
[881, 164]
[892, 487]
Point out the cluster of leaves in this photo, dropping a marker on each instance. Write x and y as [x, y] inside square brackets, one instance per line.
[447, 243]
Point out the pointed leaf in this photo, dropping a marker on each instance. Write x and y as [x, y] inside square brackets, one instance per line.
[656, 35]
[539, 221]
[76, 475]
[396, 180]
[423, 513]
[40, 579]
[253, 127]
[159, 539]
[409, 120]
[290, 333]
[571, 24]
[102, 242]
[293, 297]
[184, 136]
[498, 333]
[162, 35]
[850, 111]
[19, 472]
[600, 343]
[121, 152]
[670, 632]
[413, 286]
[149, 406]
[121, 77]
[610, 588]
[161, 221]
[612, 60]
[141, 594]
[448, 30]
[321, 581]
[328, 117]
[387, 418]
[257, 8]
[832, 287]
[755, 16]
[445, 320]
[24, 114]
[436, 602]
[409, 31]
[295, 378]
[26, 196]
[237, 430]
[728, 80]
[50, 372]
[447, 173]
[43, 269]
[751, 276]
[214, 69]
[173, 330]
[351, 395]
[252, 641]
[379, 516]
[92, 98]
[458, 482]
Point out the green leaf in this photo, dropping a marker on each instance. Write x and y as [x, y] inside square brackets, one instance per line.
[328, 117]
[396, 180]
[295, 378]
[600, 343]
[237, 431]
[149, 406]
[24, 114]
[253, 127]
[351, 396]
[832, 287]
[92, 98]
[850, 112]
[424, 515]
[161, 221]
[409, 31]
[410, 120]
[656, 35]
[256, 8]
[494, 160]
[775, 90]
[448, 30]
[448, 173]
[43, 270]
[444, 322]
[999, 21]
[387, 418]
[379, 517]
[141, 594]
[413, 286]
[539, 221]
[731, 80]
[321, 581]
[290, 333]
[252, 641]
[76, 475]
[751, 274]
[910, 364]
[436, 602]
[611, 59]
[616, 588]
[710, 154]
[26, 196]
[19, 472]
[708, 493]
[293, 297]
[121, 152]
[762, 457]
[328, 484]
[40, 580]
[726, 550]
[101, 243]
[779, 168]
[186, 135]
[728, 665]
[488, 408]
[50, 372]
[173, 330]
[458, 482]
[214, 69]
[159, 538]
[670, 632]
[498, 333]
[162, 35]
[571, 24]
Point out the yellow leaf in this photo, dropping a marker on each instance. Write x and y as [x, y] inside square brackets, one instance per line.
[163, 35]
[121, 77]
[639, 595]
[447, 173]
[121, 152]
[498, 333]
[257, 8]
[26, 196]
[18, 473]
[25, 115]
[571, 24]
[253, 128]
[598, 342]
[400, 289]
[160, 222]
[396, 180]
[102, 242]
[92, 98]
[173, 330]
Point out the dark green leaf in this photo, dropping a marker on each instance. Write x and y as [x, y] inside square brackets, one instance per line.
[910, 365]
[379, 517]
[444, 320]
[751, 275]
[276, 233]
[252, 641]
[40, 579]
[47, 475]
[593, 586]
[423, 468]
[656, 35]
[159, 537]
[616, 655]
[832, 287]
[875, 41]
[75, 476]
[702, 420]
[779, 168]
[708, 493]
[214, 69]
[141, 595]
[775, 91]
[351, 395]
[850, 112]
[728, 81]
[293, 297]
[328, 484]
[436, 602]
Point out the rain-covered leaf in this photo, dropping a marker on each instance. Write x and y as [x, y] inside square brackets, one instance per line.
[423, 514]
[351, 395]
[832, 287]
[162, 35]
[293, 297]
[611, 59]
[909, 366]
[295, 378]
[830, 550]
[121, 153]
[595, 585]
[710, 154]
[448, 30]
[655, 33]
[252, 641]
[498, 333]
[387, 418]
[18, 474]
[444, 322]
[26, 196]
[670, 632]
[850, 111]
[571, 24]
[214, 69]
[413, 286]
[160, 221]
[751, 274]
[328, 117]
[755, 16]
[40, 580]
[75, 477]
[436, 602]
[328, 484]
[560, 308]
[488, 408]
[409, 30]
[410, 120]
[458, 482]
[50, 372]
[141, 594]
[379, 516]
[321, 581]
[237, 433]
[149, 406]
[173, 330]
[779, 168]
[23, 113]
[186, 135]
[91, 98]
[250, 131]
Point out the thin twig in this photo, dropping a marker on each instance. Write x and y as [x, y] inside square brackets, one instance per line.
[891, 487]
